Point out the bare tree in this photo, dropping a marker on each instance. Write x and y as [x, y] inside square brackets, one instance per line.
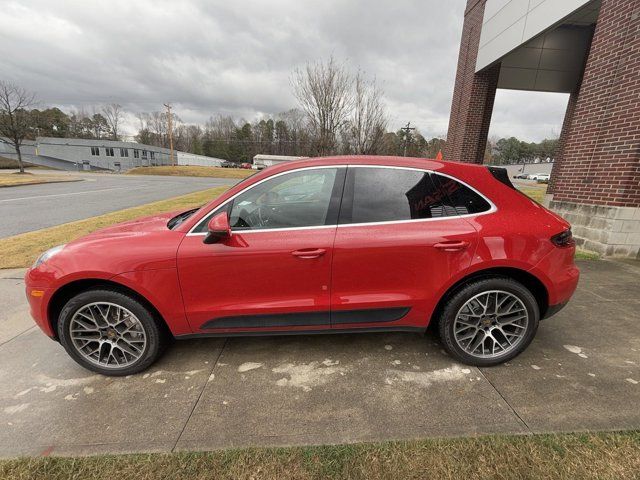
[113, 114]
[366, 127]
[324, 93]
[15, 103]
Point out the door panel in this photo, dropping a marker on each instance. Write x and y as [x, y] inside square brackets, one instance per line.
[395, 266]
[254, 280]
[274, 272]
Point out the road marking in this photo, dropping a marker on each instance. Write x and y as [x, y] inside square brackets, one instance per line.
[62, 194]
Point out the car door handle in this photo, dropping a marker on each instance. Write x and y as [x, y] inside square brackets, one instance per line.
[453, 246]
[309, 253]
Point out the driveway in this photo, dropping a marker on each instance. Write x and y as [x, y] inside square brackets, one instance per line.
[32, 207]
[581, 372]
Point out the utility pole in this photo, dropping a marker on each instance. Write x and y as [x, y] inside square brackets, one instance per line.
[407, 132]
[168, 105]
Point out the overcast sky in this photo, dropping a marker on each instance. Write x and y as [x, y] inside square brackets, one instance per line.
[235, 57]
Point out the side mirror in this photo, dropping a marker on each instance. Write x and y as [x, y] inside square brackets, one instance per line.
[219, 228]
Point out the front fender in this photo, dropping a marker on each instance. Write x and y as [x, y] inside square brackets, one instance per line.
[162, 289]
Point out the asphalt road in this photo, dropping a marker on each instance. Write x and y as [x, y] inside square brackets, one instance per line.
[582, 372]
[31, 207]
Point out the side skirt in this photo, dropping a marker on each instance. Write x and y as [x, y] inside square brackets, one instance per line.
[188, 336]
[309, 319]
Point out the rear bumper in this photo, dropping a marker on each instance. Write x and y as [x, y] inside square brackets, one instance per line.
[553, 309]
[560, 276]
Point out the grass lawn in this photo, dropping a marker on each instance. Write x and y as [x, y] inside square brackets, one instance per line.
[568, 456]
[22, 250]
[15, 179]
[193, 171]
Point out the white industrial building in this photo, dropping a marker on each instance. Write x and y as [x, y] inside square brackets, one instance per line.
[262, 161]
[185, 158]
[98, 154]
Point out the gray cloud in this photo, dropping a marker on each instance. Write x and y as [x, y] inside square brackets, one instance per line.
[209, 57]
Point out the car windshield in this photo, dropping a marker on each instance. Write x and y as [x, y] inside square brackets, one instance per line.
[181, 217]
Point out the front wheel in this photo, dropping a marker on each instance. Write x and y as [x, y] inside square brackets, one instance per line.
[489, 321]
[109, 332]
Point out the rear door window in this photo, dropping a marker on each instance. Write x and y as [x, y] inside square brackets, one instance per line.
[390, 194]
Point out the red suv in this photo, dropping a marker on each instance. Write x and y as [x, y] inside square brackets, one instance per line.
[344, 244]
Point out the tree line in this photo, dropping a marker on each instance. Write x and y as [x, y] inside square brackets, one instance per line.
[505, 151]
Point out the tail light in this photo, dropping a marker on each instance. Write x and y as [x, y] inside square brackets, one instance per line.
[563, 239]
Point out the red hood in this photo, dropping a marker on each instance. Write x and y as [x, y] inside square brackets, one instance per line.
[151, 223]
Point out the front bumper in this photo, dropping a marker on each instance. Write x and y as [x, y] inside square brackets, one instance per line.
[38, 298]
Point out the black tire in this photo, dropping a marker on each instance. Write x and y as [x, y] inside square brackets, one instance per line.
[460, 297]
[156, 338]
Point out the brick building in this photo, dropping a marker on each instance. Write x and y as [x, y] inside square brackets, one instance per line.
[589, 49]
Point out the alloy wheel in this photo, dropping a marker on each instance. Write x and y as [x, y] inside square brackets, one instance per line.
[491, 324]
[107, 335]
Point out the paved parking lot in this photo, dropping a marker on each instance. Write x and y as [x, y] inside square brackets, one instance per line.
[581, 372]
[31, 207]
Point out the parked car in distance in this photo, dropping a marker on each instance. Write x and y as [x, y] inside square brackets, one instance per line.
[543, 178]
[228, 164]
[340, 244]
[521, 176]
[535, 176]
[245, 165]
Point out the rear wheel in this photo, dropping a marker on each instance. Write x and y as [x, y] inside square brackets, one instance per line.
[489, 321]
[110, 333]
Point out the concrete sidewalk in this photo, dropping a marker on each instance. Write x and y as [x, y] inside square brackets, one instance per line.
[581, 372]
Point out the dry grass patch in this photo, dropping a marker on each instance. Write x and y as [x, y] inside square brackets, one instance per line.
[535, 192]
[15, 179]
[22, 250]
[193, 171]
[586, 255]
[568, 456]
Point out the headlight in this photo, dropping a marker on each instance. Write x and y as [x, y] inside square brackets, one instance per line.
[47, 255]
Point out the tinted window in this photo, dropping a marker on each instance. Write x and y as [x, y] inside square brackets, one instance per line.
[387, 194]
[296, 199]
[462, 198]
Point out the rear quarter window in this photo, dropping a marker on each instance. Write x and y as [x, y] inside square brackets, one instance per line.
[461, 198]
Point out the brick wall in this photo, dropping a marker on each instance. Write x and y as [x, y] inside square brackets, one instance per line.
[562, 141]
[473, 94]
[600, 160]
